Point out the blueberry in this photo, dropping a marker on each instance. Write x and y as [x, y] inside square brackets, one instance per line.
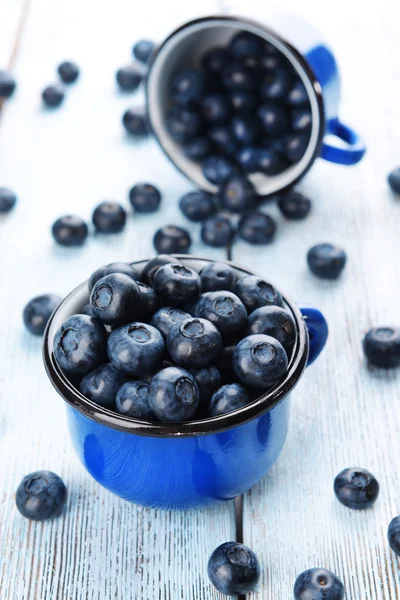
[295, 146]
[87, 310]
[215, 60]
[102, 384]
[252, 64]
[129, 78]
[197, 148]
[136, 348]
[173, 395]
[109, 217]
[326, 260]
[217, 276]
[135, 122]
[116, 299]
[115, 267]
[172, 239]
[68, 71]
[269, 162]
[257, 228]
[198, 206]
[195, 343]
[70, 231]
[188, 86]
[394, 535]
[7, 84]
[255, 292]
[245, 129]
[393, 179]
[183, 123]
[222, 137]
[209, 380]
[247, 158]
[214, 108]
[382, 347]
[41, 495]
[177, 285]
[237, 194]
[7, 200]
[225, 364]
[155, 263]
[132, 400]
[294, 205]
[242, 101]
[38, 311]
[80, 344]
[245, 44]
[149, 301]
[298, 95]
[259, 360]
[273, 119]
[217, 231]
[318, 584]
[301, 120]
[217, 169]
[276, 85]
[275, 322]
[226, 399]
[356, 488]
[233, 569]
[142, 50]
[53, 95]
[223, 309]
[273, 62]
[166, 317]
[236, 77]
[145, 198]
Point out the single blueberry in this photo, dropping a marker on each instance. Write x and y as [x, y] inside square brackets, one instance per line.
[38, 311]
[294, 205]
[173, 395]
[177, 285]
[393, 180]
[7, 200]
[217, 276]
[217, 169]
[144, 198]
[257, 228]
[7, 84]
[255, 292]
[197, 148]
[209, 380]
[172, 239]
[142, 50]
[166, 317]
[238, 194]
[215, 60]
[214, 108]
[132, 400]
[301, 120]
[233, 569]
[195, 343]
[183, 123]
[295, 145]
[53, 95]
[188, 86]
[226, 399]
[198, 206]
[275, 322]
[252, 64]
[41, 495]
[273, 119]
[116, 299]
[245, 129]
[102, 384]
[70, 231]
[259, 360]
[298, 95]
[109, 217]
[149, 301]
[382, 347]
[326, 260]
[269, 162]
[221, 136]
[217, 231]
[274, 62]
[247, 158]
[356, 488]
[155, 263]
[276, 85]
[80, 344]
[136, 348]
[242, 101]
[318, 584]
[129, 78]
[245, 44]
[236, 77]
[271, 50]
[68, 71]
[394, 535]
[115, 267]
[135, 121]
[223, 309]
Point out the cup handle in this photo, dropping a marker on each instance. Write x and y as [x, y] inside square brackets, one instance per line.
[317, 330]
[351, 153]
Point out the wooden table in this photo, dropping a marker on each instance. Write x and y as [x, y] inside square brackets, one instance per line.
[343, 413]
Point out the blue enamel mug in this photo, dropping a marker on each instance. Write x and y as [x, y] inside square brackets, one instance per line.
[183, 465]
[311, 57]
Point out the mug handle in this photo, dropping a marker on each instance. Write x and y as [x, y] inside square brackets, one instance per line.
[317, 330]
[352, 153]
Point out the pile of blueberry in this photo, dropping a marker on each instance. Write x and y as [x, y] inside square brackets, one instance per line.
[172, 344]
[245, 109]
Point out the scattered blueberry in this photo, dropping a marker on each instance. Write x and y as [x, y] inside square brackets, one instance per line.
[129, 78]
[273, 119]
[215, 60]
[382, 347]
[7, 200]
[223, 309]
[217, 276]
[70, 231]
[173, 395]
[102, 384]
[294, 205]
[188, 86]
[236, 77]
[53, 95]
[393, 179]
[257, 228]
[116, 299]
[198, 206]
[155, 263]
[80, 344]
[217, 231]
[109, 217]
[217, 169]
[214, 108]
[318, 584]
[68, 71]
[195, 343]
[177, 285]
[166, 317]
[237, 194]
[245, 129]
[275, 322]
[394, 535]
[41, 495]
[38, 311]
[135, 122]
[326, 260]
[233, 569]
[197, 148]
[183, 123]
[132, 400]
[356, 488]
[298, 95]
[242, 101]
[172, 239]
[227, 398]
[145, 198]
[115, 267]
[136, 348]
[7, 84]
[255, 292]
[142, 50]
[209, 380]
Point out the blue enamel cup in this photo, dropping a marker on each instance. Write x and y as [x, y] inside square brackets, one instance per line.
[309, 54]
[183, 465]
